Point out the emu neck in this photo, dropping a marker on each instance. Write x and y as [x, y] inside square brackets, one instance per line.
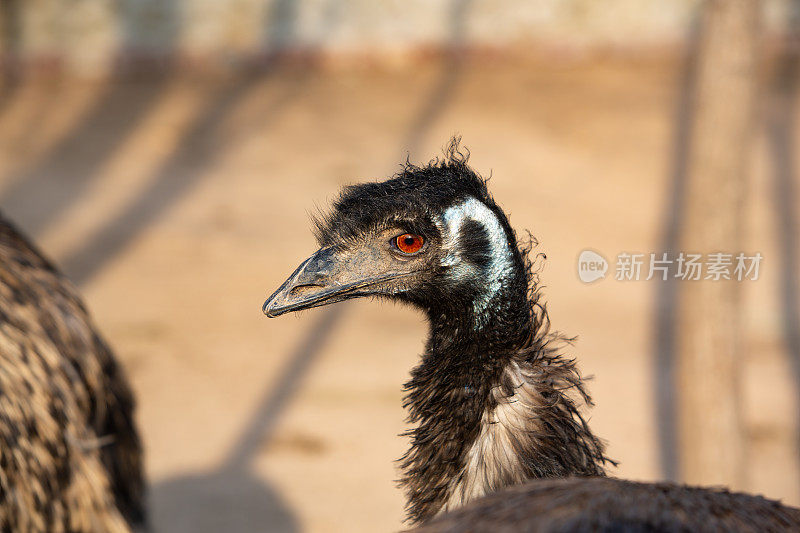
[490, 407]
[504, 325]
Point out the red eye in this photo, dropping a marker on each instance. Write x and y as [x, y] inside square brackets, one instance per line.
[409, 243]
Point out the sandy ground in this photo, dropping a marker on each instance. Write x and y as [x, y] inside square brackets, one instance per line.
[178, 204]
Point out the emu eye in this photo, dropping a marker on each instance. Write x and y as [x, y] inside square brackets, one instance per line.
[409, 243]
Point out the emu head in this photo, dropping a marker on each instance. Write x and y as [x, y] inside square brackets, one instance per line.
[431, 236]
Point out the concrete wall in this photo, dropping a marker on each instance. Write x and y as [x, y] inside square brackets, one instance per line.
[90, 35]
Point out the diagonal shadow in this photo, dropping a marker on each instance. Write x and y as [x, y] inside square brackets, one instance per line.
[230, 498]
[276, 399]
[666, 291]
[451, 72]
[222, 487]
[10, 62]
[185, 167]
[43, 193]
[37, 197]
[274, 403]
[181, 172]
[782, 136]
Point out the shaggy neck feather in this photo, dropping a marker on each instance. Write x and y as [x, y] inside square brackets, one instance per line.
[492, 405]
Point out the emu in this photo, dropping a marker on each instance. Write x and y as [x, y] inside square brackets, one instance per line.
[70, 455]
[493, 402]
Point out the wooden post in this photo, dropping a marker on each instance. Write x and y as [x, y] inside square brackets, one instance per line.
[708, 312]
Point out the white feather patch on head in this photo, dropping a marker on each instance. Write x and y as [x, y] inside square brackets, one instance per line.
[501, 262]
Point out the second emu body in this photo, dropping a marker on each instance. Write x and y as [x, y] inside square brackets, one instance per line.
[70, 455]
[493, 402]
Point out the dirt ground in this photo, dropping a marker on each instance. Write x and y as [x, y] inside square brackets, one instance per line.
[179, 204]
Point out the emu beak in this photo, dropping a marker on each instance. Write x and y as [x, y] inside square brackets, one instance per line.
[327, 277]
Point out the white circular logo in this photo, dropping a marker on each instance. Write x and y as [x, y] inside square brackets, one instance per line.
[591, 266]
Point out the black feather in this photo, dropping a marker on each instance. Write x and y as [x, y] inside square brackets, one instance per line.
[475, 244]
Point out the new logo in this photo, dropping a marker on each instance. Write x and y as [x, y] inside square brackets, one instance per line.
[591, 266]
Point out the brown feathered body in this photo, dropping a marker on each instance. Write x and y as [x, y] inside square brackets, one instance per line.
[614, 505]
[70, 455]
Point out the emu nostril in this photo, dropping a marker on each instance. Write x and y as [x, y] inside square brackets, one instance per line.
[302, 290]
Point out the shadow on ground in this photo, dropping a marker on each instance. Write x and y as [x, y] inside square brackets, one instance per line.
[232, 501]
[231, 498]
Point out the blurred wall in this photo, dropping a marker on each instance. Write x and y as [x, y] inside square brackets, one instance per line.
[92, 36]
